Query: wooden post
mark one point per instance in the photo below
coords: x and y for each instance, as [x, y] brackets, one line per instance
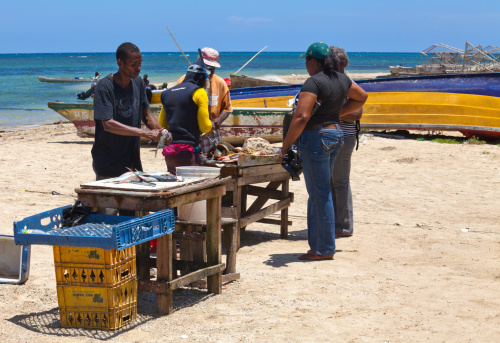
[214, 246]
[231, 246]
[284, 212]
[164, 265]
[142, 255]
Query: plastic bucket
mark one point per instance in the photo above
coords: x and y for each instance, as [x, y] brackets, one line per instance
[196, 210]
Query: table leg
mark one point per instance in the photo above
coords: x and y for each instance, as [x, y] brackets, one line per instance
[284, 212]
[164, 266]
[142, 261]
[214, 245]
[229, 232]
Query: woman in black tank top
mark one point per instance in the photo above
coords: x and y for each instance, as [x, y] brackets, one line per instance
[320, 139]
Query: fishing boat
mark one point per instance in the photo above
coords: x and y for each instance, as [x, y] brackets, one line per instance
[468, 103]
[62, 79]
[242, 124]
[244, 81]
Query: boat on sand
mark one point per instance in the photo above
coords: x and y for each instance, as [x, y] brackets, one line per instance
[62, 79]
[242, 124]
[468, 103]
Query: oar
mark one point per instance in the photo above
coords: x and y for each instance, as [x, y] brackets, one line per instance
[178, 46]
[250, 60]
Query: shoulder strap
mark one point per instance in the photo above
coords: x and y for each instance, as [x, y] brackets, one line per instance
[358, 130]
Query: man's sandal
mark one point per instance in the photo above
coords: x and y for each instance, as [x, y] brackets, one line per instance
[315, 257]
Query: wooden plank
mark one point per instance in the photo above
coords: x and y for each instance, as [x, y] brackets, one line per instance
[264, 212]
[246, 160]
[272, 221]
[192, 236]
[153, 202]
[264, 192]
[231, 185]
[214, 245]
[229, 212]
[164, 273]
[260, 179]
[226, 278]
[229, 171]
[208, 273]
[261, 201]
[262, 170]
[163, 287]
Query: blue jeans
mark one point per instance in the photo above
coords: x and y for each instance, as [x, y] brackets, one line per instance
[318, 150]
[341, 188]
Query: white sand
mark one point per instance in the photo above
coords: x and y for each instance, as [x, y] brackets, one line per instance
[422, 266]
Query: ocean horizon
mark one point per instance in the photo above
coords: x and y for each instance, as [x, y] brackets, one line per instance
[23, 102]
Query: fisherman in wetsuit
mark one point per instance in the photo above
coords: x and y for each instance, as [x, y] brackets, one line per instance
[185, 115]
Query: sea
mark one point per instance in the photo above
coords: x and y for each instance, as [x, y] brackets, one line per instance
[23, 98]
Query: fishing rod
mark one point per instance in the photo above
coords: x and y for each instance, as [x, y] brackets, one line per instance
[250, 60]
[178, 46]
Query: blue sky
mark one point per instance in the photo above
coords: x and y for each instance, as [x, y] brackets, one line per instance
[368, 26]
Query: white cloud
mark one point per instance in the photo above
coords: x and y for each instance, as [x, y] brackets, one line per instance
[248, 21]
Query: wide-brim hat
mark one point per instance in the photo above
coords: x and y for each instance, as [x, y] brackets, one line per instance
[317, 50]
[210, 57]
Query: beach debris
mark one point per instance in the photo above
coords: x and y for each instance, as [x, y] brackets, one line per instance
[465, 229]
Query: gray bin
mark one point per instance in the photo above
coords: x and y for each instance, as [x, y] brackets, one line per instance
[14, 261]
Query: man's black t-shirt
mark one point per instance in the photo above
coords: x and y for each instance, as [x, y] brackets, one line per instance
[331, 91]
[112, 153]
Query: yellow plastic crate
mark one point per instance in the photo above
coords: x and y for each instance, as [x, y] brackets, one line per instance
[102, 319]
[94, 275]
[93, 256]
[90, 298]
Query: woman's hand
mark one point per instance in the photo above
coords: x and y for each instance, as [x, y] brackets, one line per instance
[280, 156]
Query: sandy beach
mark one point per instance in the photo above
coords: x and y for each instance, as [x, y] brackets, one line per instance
[423, 264]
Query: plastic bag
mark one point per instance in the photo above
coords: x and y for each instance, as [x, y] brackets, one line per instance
[74, 215]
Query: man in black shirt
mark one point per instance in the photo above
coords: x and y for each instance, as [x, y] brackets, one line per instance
[120, 105]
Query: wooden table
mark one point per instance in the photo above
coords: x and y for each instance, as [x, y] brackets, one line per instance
[143, 201]
[235, 214]
[244, 180]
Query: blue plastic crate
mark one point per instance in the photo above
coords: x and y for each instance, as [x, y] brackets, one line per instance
[96, 231]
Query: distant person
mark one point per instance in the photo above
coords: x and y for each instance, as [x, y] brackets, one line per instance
[120, 106]
[88, 93]
[320, 141]
[185, 115]
[96, 76]
[340, 183]
[149, 88]
[219, 100]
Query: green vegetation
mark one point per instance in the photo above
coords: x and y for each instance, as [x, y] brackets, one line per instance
[445, 140]
[475, 140]
[486, 152]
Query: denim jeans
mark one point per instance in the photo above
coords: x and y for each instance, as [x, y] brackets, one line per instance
[318, 150]
[341, 188]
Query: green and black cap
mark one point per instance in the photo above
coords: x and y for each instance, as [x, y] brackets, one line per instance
[317, 50]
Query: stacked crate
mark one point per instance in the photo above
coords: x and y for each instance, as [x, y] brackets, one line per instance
[96, 288]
